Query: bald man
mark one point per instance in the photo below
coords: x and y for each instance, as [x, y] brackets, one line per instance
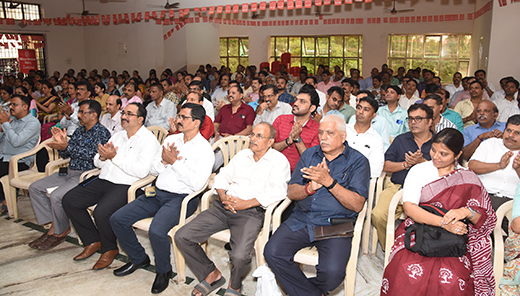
[112, 119]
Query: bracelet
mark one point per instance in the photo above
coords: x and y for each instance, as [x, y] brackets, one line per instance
[442, 223]
[287, 142]
[332, 185]
[473, 212]
[478, 137]
[404, 165]
[307, 189]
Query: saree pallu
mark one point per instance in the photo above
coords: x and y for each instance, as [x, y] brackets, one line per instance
[510, 283]
[409, 273]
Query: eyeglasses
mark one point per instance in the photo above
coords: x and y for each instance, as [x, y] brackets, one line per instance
[417, 119]
[182, 117]
[123, 113]
[259, 136]
[14, 104]
[195, 89]
[84, 112]
[266, 96]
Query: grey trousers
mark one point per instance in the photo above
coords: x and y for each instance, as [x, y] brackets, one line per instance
[48, 208]
[244, 227]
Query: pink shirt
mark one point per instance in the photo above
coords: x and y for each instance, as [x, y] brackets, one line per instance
[125, 101]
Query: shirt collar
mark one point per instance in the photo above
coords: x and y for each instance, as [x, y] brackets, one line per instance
[345, 153]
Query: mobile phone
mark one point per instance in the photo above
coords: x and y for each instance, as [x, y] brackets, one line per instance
[63, 171]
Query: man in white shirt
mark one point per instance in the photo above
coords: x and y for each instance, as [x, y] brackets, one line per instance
[221, 91]
[456, 85]
[182, 166]
[70, 119]
[112, 120]
[488, 87]
[508, 103]
[126, 158]
[159, 110]
[497, 163]
[362, 137]
[410, 95]
[347, 85]
[435, 102]
[500, 94]
[298, 84]
[270, 108]
[323, 97]
[253, 179]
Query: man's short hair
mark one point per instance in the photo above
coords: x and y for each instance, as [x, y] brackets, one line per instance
[309, 89]
[93, 105]
[430, 88]
[169, 81]
[512, 80]
[443, 92]
[336, 89]
[269, 86]
[411, 79]
[25, 99]
[424, 107]
[479, 83]
[341, 125]
[197, 83]
[349, 81]
[272, 131]
[314, 80]
[437, 98]
[87, 85]
[371, 101]
[263, 73]
[480, 71]
[281, 77]
[326, 72]
[396, 88]
[368, 93]
[257, 80]
[197, 112]
[240, 90]
[378, 78]
[514, 120]
[159, 87]
[141, 110]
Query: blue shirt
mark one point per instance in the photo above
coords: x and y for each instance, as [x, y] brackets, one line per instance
[286, 98]
[455, 118]
[83, 146]
[473, 131]
[352, 171]
[396, 120]
[18, 136]
[397, 151]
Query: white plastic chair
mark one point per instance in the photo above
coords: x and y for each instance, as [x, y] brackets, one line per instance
[504, 211]
[390, 226]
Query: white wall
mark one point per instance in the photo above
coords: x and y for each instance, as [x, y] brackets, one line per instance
[481, 38]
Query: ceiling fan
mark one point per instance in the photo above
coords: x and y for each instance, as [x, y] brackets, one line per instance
[167, 5]
[318, 13]
[84, 12]
[13, 5]
[256, 15]
[395, 11]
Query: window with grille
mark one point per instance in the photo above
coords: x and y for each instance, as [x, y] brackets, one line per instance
[444, 54]
[234, 51]
[344, 51]
[20, 10]
[11, 43]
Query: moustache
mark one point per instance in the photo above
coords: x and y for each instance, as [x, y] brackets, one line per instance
[510, 139]
[122, 120]
[324, 143]
[180, 124]
[482, 117]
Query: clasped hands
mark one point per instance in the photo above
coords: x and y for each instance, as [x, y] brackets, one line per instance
[412, 159]
[451, 221]
[233, 204]
[4, 116]
[319, 175]
[107, 151]
[170, 154]
[506, 158]
[295, 132]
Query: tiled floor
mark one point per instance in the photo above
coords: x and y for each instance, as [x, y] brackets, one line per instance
[26, 271]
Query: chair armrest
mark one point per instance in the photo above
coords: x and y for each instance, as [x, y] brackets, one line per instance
[277, 216]
[138, 184]
[187, 199]
[360, 219]
[87, 174]
[52, 166]
[207, 199]
[13, 161]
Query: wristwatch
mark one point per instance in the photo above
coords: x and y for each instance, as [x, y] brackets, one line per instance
[297, 140]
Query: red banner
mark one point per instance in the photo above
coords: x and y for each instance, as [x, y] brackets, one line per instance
[27, 60]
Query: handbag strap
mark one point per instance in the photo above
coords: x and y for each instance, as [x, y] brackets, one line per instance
[419, 234]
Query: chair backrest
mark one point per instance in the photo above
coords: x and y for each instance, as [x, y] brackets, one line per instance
[286, 59]
[263, 65]
[390, 227]
[159, 132]
[505, 210]
[229, 146]
[275, 66]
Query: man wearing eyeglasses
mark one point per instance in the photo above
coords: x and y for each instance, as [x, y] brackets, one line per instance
[406, 150]
[159, 110]
[47, 194]
[182, 166]
[206, 129]
[126, 158]
[270, 108]
[70, 120]
[253, 179]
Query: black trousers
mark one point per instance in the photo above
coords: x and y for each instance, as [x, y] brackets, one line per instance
[4, 170]
[109, 197]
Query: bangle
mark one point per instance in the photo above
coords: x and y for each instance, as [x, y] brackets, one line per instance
[473, 212]
[287, 142]
[332, 185]
[478, 137]
[404, 165]
[307, 189]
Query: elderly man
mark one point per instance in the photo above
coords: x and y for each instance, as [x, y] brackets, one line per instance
[253, 179]
[19, 132]
[70, 120]
[297, 131]
[270, 108]
[486, 128]
[410, 95]
[81, 149]
[126, 158]
[183, 166]
[467, 108]
[407, 150]
[112, 120]
[159, 110]
[497, 163]
[330, 180]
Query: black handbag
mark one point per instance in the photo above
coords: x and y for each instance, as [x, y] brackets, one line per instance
[433, 241]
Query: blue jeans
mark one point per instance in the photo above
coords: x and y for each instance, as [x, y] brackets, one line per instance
[330, 271]
[165, 208]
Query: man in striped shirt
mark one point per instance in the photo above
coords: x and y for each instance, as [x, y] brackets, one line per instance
[439, 122]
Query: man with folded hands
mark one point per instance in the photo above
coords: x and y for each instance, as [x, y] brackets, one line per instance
[182, 166]
[330, 181]
[253, 179]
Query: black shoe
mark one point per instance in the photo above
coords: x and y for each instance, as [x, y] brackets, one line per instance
[161, 282]
[130, 267]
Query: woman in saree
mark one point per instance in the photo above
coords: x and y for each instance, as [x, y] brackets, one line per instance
[441, 183]
[48, 103]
